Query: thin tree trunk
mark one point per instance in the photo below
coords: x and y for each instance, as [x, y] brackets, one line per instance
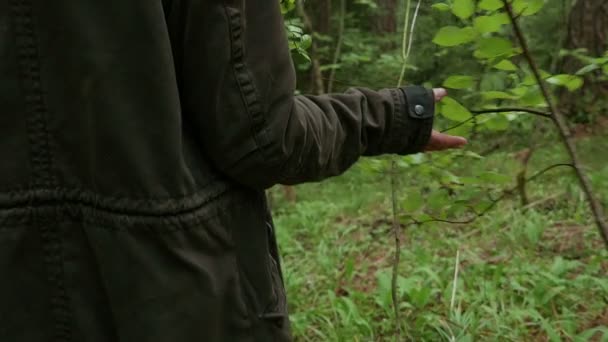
[322, 20]
[587, 29]
[386, 20]
[318, 86]
[339, 43]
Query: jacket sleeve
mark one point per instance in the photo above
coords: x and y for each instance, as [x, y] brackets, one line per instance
[237, 84]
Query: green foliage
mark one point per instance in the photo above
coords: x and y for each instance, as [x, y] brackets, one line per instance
[490, 5]
[454, 36]
[459, 82]
[490, 23]
[571, 82]
[518, 281]
[528, 274]
[505, 65]
[527, 7]
[287, 5]
[463, 9]
[299, 42]
[493, 47]
[453, 110]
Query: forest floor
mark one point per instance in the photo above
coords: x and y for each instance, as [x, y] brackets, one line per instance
[533, 274]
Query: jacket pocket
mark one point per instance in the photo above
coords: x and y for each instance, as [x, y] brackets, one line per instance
[276, 310]
[259, 263]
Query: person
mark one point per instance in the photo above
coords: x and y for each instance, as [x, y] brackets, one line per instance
[138, 138]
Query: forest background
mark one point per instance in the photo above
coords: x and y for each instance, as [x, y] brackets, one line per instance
[502, 241]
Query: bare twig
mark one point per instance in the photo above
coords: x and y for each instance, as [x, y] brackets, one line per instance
[524, 157]
[543, 200]
[512, 110]
[408, 38]
[562, 126]
[397, 236]
[455, 286]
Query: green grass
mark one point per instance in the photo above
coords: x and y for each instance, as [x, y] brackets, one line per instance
[539, 274]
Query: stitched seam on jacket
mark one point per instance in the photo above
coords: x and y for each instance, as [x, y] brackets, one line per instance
[53, 258]
[29, 60]
[395, 141]
[17, 191]
[22, 217]
[249, 93]
[69, 197]
[41, 160]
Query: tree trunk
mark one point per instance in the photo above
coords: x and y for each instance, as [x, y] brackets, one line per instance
[386, 20]
[587, 29]
[322, 20]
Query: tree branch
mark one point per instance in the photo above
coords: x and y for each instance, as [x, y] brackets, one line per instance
[562, 126]
[479, 112]
[495, 201]
[512, 110]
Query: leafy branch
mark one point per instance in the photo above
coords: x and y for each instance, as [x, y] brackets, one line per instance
[562, 126]
[494, 202]
[477, 113]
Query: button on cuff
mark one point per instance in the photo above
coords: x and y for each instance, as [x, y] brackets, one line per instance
[420, 102]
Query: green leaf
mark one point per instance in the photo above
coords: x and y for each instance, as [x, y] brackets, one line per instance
[463, 9]
[423, 217]
[458, 82]
[520, 91]
[441, 7]
[495, 95]
[472, 154]
[490, 5]
[527, 7]
[571, 82]
[453, 110]
[490, 23]
[305, 42]
[506, 65]
[453, 36]
[413, 202]
[533, 97]
[438, 200]
[495, 178]
[587, 69]
[287, 6]
[420, 296]
[492, 47]
[531, 80]
[463, 130]
[498, 122]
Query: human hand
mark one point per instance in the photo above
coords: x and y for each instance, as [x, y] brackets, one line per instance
[440, 141]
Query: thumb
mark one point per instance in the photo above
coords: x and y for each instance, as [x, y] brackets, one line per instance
[439, 93]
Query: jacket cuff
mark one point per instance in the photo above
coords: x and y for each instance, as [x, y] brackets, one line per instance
[412, 121]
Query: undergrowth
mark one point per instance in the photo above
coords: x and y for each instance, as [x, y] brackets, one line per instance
[538, 273]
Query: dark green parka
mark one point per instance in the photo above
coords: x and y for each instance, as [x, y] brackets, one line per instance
[136, 140]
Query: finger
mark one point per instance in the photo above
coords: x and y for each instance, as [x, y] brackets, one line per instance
[440, 93]
[451, 141]
[440, 142]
